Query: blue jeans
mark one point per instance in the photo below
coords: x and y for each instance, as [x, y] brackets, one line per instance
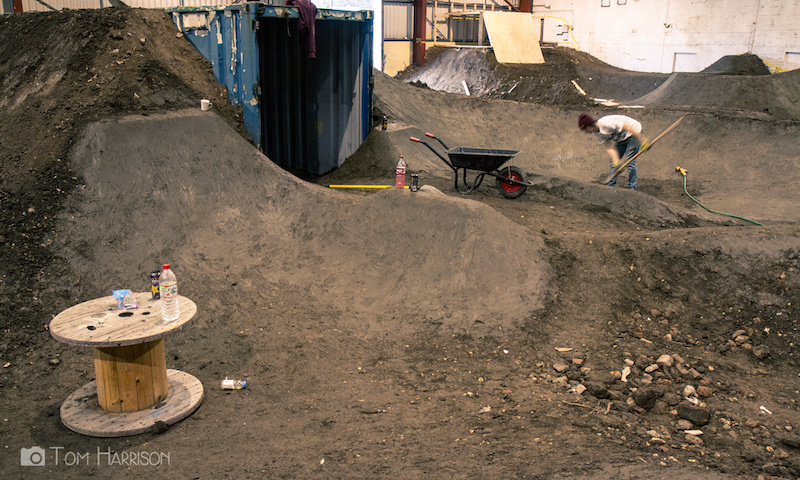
[627, 149]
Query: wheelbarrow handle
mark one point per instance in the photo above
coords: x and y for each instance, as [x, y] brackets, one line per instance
[430, 135]
[449, 164]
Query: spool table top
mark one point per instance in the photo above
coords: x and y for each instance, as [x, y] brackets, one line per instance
[99, 322]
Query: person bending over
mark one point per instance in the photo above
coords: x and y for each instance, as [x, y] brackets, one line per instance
[622, 137]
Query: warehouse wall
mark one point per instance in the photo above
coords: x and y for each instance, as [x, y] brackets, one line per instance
[398, 29]
[641, 35]
[676, 35]
[397, 56]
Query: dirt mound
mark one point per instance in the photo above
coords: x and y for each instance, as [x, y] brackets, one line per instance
[735, 85]
[62, 71]
[746, 64]
[577, 331]
[447, 69]
[297, 221]
[771, 95]
[599, 79]
[453, 68]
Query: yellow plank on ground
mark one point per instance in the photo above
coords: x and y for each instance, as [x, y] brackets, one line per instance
[513, 36]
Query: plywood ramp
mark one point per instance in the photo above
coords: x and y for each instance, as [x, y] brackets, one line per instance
[513, 36]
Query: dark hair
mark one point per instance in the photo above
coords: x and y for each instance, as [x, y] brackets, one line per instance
[585, 121]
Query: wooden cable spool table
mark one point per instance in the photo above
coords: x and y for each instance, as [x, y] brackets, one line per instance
[132, 390]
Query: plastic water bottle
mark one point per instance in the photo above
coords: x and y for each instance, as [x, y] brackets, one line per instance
[168, 289]
[400, 174]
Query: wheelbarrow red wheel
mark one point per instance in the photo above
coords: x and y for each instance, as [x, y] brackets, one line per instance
[510, 189]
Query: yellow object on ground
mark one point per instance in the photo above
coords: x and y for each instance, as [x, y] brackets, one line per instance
[362, 186]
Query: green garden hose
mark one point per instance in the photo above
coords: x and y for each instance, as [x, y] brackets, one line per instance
[683, 172]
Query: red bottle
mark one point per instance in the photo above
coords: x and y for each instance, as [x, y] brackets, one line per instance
[400, 174]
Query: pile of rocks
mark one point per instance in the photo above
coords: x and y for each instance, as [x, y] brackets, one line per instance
[666, 386]
[641, 384]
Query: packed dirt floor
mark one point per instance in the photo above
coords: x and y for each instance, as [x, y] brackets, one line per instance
[578, 331]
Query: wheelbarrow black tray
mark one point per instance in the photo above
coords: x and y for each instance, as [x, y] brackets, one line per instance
[483, 159]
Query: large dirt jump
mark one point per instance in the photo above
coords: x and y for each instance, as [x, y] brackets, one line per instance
[577, 331]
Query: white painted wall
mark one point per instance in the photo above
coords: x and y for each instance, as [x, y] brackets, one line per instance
[677, 35]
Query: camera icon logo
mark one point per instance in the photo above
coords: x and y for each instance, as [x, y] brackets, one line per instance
[32, 457]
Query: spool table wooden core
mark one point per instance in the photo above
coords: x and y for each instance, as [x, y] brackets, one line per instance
[131, 378]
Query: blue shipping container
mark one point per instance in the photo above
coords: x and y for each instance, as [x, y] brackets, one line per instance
[306, 114]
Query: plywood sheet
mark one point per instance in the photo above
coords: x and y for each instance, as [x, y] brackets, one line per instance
[513, 36]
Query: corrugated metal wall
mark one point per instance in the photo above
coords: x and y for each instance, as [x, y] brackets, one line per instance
[307, 115]
[397, 21]
[398, 14]
[466, 29]
[313, 110]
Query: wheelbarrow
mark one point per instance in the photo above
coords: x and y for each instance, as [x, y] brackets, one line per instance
[510, 181]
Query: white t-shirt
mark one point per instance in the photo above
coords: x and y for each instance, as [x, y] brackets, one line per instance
[609, 128]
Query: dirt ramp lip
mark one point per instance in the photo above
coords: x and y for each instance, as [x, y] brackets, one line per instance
[391, 249]
[636, 207]
[769, 94]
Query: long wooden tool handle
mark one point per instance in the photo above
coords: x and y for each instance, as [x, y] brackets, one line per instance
[669, 129]
[619, 169]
